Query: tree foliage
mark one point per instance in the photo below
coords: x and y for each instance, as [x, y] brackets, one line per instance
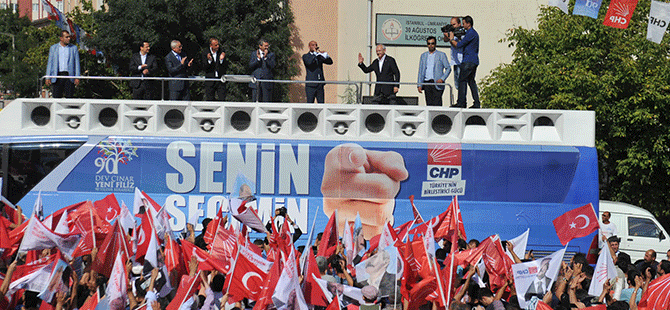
[576, 63]
[238, 24]
[16, 75]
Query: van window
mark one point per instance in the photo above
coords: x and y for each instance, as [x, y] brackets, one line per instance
[642, 227]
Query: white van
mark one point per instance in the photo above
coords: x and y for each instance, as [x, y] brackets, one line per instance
[638, 229]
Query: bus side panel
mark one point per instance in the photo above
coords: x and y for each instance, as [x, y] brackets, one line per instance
[502, 189]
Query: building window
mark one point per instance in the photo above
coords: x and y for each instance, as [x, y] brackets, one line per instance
[3, 6]
[36, 7]
[59, 5]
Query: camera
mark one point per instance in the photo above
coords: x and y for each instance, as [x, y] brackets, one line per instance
[458, 32]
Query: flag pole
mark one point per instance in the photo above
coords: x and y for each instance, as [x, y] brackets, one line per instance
[232, 270]
[123, 237]
[433, 265]
[90, 213]
[197, 275]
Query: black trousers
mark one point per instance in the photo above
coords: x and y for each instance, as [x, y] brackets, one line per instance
[385, 99]
[465, 79]
[263, 93]
[144, 91]
[315, 93]
[182, 94]
[215, 88]
[63, 87]
[433, 95]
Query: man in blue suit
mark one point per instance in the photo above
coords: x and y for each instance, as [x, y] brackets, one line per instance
[63, 61]
[314, 61]
[261, 63]
[433, 68]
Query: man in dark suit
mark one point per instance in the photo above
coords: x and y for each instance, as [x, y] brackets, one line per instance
[386, 70]
[314, 61]
[142, 65]
[215, 64]
[541, 282]
[261, 63]
[177, 67]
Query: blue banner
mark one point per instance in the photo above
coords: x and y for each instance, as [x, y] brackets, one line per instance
[588, 8]
[502, 188]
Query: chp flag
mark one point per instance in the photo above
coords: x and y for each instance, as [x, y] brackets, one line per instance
[576, 223]
[659, 17]
[620, 13]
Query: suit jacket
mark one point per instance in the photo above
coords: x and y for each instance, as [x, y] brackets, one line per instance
[136, 62]
[389, 73]
[176, 69]
[72, 61]
[314, 68]
[532, 291]
[261, 69]
[441, 69]
[216, 65]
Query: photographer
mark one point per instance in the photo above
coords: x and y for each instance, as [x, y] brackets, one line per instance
[456, 52]
[278, 219]
[470, 45]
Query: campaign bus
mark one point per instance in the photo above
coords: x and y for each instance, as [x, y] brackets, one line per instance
[510, 169]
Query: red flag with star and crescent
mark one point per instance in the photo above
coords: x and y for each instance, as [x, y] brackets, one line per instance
[248, 277]
[576, 223]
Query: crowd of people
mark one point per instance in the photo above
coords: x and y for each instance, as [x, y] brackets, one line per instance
[76, 258]
[434, 68]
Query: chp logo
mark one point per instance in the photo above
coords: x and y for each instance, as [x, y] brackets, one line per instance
[444, 161]
[619, 13]
[391, 29]
[112, 152]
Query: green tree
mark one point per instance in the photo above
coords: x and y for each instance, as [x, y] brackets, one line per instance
[576, 63]
[16, 75]
[238, 24]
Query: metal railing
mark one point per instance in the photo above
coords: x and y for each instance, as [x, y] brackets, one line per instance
[247, 79]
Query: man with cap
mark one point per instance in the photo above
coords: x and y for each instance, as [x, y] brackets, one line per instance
[370, 295]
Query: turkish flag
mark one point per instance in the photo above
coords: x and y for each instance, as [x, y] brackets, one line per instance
[330, 237]
[91, 302]
[174, 258]
[143, 235]
[313, 293]
[620, 13]
[108, 208]
[576, 223]
[335, 304]
[187, 287]
[213, 227]
[115, 242]
[205, 260]
[249, 276]
[420, 292]
[268, 288]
